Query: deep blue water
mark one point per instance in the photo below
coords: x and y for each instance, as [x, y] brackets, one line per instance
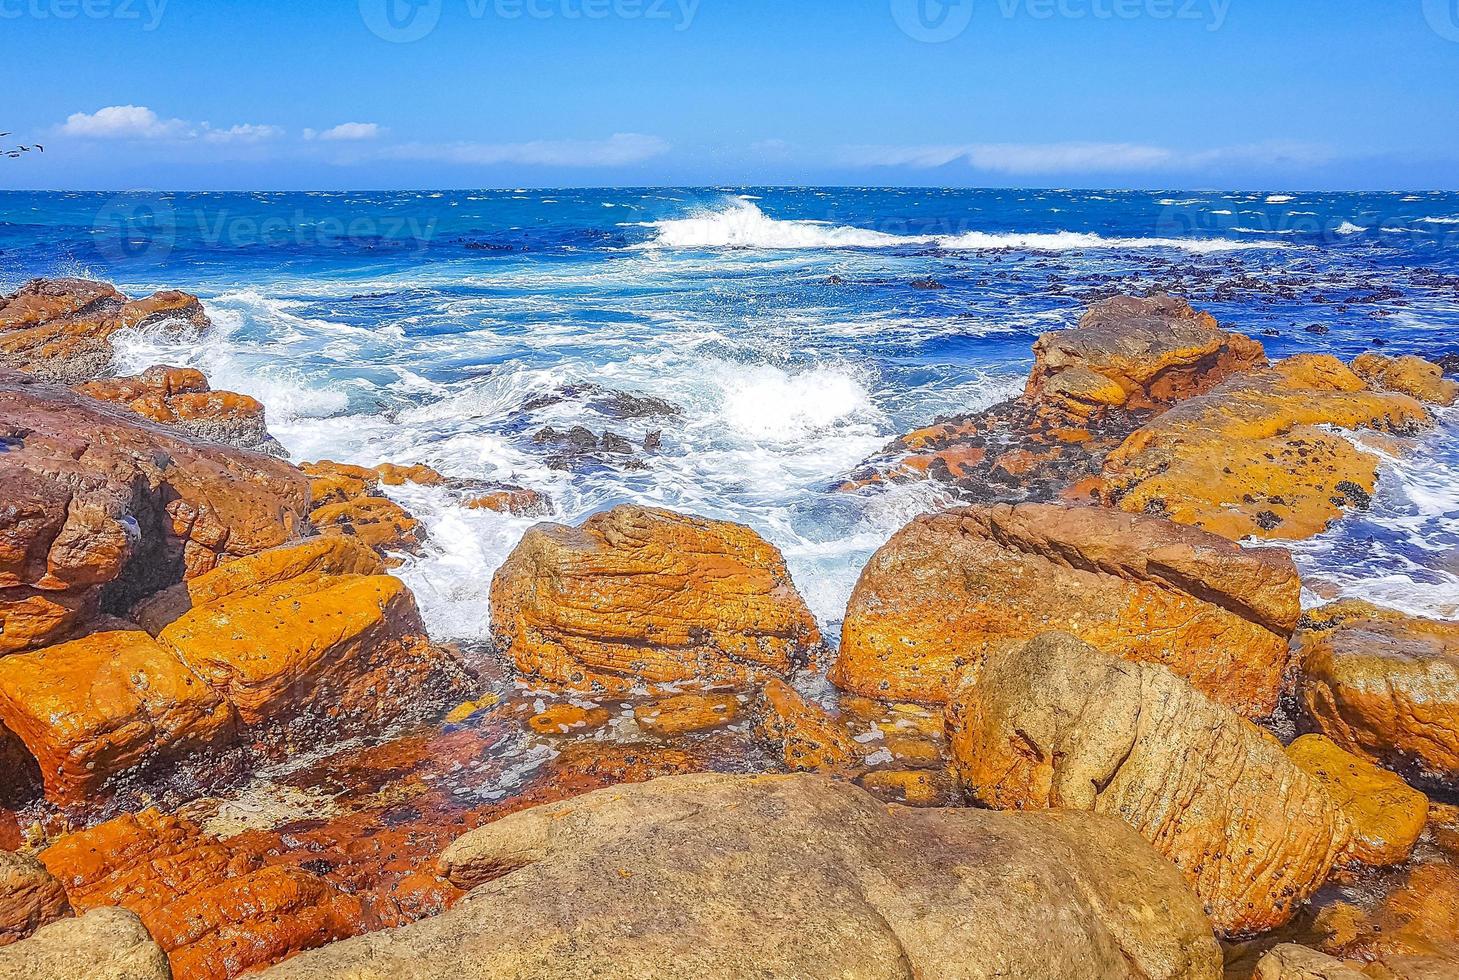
[789, 324]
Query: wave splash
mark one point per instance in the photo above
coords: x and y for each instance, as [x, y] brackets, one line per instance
[741, 224]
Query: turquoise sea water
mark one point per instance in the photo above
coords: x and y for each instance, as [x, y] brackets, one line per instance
[799, 330]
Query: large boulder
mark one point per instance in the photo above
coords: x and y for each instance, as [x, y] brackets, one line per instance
[1126, 361]
[1255, 457]
[1056, 723]
[29, 897]
[182, 398]
[103, 507]
[951, 587]
[639, 594]
[1387, 815]
[1385, 686]
[104, 944]
[790, 876]
[61, 329]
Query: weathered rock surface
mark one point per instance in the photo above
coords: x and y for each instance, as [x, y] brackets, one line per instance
[683, 714]
[103, 507]
[29, 897]
[104, 944]
[640, 594]
[951, 587]
[1385, 686]
[1387, 815]
[1408, 375]
[790, 876]
[1055, 723]
[61, 329]
[1413, 933]
[1091, 386]
[1291, 962]
[1249, 457]
[808, 737]
[182, 398]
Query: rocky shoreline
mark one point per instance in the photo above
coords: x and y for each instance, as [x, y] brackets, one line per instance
[1079, 726]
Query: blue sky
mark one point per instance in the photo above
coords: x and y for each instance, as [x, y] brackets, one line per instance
[226, 94]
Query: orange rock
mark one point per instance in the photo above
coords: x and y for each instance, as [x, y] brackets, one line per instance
[1410, 375]
[1248, 458]
[1385, 686]
[1413, 934]
[60, 329]
[809, 737]
[377, 522]
[642, 594]
[568, 719]
[107, 705]
[393, 476]
[181, 397]
[1057, 724]
[29, 897]
[1386, 813]
[103, 504]
[513, 500]
[951, 587]
[914, 787]
[685, 713]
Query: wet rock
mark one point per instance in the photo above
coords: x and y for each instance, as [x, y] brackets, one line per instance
[104, 508]
[509, 499]
[1251, 457]
[1291, 962]
[1386, 814]
[104, 944]
[608, 401]
[181, 397]
[791, 876]
[1385, 686]
[29, 897]
[303, 652]
[569, 719]
[1409, 375]
[808, 737]
[376, 522]
[1412, 934]
[108, 705]
[61, 329]
[638, 594]
[393, 475]
[927, 283]
[951, 587]
[579, 448]
[913, 787]
[683, 714]
[1056, 723]
[1091, 386]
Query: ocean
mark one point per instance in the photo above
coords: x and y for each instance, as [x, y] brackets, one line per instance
[796, 330]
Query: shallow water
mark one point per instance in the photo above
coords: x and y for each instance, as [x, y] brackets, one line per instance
[791, 327]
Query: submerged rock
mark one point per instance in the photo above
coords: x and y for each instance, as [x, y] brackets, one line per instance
[181, 397]
[731, 876]
[1056, 723]
[638, 594]
[1253, 456]
[1385, 686]
[951, 587]
[104, 944]
[104, 507]
[61, 329]
[808, 737]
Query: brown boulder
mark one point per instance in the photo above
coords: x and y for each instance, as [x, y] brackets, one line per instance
[181, 397]
[104, 944]
[640, 594]
[104, 508]
[790, 876]
[1409, 375]
[1385, 686]
[29, 897]
[108, 705]
[1249, 457]
[1058, 724]
[1291, 962]
[61, 329]
[1387, 815]
[950, 587]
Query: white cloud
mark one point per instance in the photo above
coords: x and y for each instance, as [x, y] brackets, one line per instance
[1075, 158]
[617, 150]
[244, 133]
[349, 131]
[126, 122]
